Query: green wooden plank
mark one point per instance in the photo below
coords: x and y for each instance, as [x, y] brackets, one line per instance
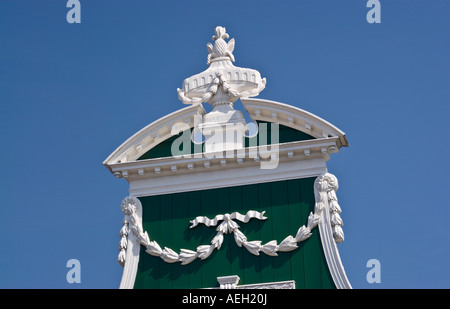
[252, 263]
[266, 232]
[236, 253]
[313, 275]
[149, 266]
[280, 215]
[312, 246]
[209, 268]
[327, 280]
[224, 254]
[180, 221]
[166, 230]
[196, 238]
[296, 220]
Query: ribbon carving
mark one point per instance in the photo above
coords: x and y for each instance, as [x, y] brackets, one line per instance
[227, 218]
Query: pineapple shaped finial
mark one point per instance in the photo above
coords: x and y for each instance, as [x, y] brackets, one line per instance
[220, 48]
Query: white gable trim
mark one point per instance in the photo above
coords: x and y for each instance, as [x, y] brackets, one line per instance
[293, 117]
[153, 134]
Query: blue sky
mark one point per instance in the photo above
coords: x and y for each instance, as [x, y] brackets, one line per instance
[71, 93]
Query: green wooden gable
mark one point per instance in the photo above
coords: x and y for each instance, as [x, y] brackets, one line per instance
[287, 205]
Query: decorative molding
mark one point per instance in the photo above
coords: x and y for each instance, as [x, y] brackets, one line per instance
[282, 285]
[231, 283]
[228, 282]
[198, 176]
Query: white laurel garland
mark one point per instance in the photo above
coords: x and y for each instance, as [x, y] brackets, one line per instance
[325, 188]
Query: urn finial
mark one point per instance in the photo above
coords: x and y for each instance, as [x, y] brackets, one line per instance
[222, 83]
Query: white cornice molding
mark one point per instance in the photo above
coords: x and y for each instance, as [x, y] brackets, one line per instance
[293, 117]
[217, 178]
[199, 172]
[226, 160]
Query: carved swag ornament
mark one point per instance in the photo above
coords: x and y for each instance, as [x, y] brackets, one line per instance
[325, 188]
